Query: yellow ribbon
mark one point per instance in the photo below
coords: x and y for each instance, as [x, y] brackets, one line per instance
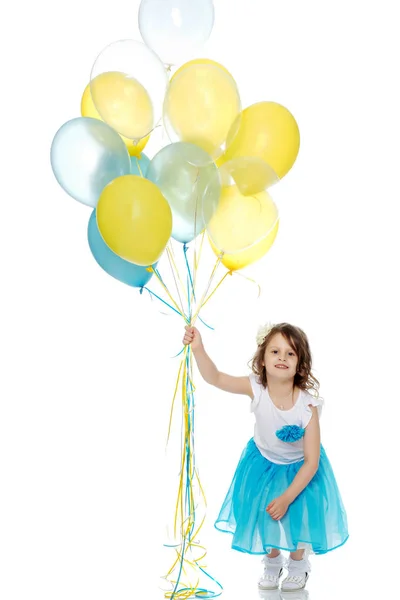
[248, 279]
[138, 166]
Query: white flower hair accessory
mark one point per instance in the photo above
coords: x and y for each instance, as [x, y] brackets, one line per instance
[262, 333]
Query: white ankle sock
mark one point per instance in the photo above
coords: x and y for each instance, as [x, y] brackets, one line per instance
[276, 558]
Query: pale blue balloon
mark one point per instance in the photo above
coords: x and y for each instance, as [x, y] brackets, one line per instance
[111, 263]
[189, 180]
[176, 30]
[86, 155]
[140, 165]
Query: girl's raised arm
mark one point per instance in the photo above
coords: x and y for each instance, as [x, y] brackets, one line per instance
[208, 370]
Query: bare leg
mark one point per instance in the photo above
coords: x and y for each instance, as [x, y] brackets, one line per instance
[274, 553]
[298, 555]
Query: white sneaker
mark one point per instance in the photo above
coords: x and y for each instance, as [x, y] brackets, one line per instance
[273, 568]
[270, 594]
[299, 571]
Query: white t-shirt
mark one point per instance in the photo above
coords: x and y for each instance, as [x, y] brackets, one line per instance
[270, 419]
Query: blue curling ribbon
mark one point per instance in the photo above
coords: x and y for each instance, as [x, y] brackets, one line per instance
[204, 323]
[161, 300]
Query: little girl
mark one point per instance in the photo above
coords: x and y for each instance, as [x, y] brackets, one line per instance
[283, 495]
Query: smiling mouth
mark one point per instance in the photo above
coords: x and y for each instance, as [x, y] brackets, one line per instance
[281, 367]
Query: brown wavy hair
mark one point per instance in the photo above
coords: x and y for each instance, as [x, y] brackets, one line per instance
[304, 379]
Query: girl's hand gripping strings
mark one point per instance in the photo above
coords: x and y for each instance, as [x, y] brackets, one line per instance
[192, 336]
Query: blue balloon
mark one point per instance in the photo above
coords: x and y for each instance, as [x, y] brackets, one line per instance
[140, 165]
[114, 265]
[86, 155]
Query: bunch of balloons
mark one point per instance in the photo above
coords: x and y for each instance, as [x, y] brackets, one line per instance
[215, 174]
[212, 180]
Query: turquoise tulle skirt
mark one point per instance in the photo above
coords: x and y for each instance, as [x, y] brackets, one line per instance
[316, 520]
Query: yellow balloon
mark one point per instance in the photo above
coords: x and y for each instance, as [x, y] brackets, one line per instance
[201, 104]
[239, 222]
[88, 109]
[134, 219]
[200, 61]
[123, 103]
[242, 259]
[266, 130]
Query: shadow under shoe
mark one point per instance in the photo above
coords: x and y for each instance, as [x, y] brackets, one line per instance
[270, 594]
[295, 595]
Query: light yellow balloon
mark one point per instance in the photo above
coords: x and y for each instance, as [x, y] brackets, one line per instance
[201, 104]
[250, 174]
[239, 222]
[266, 130]
[123, 103]
[88, 109]
[134, 219]
[242, 259]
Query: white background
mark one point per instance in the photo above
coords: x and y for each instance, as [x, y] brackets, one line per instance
[87, 378]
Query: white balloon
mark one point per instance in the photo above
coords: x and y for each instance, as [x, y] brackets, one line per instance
[175, 29]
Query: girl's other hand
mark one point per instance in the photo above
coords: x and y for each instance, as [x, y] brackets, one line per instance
[277, 508]
[192, 336]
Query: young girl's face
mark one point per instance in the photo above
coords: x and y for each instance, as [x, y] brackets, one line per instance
[280, 359]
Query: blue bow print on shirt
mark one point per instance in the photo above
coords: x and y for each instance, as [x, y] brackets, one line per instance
[290, 433]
